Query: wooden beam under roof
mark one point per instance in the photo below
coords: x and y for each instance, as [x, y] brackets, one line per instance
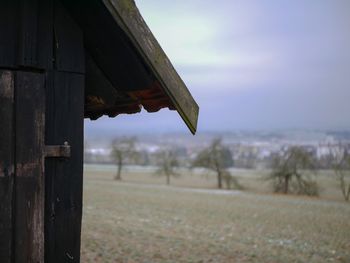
[130, 20]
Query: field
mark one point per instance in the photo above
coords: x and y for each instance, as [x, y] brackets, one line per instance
[141, 220]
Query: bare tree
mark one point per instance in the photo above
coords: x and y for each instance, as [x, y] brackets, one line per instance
[167, 164]
[340, 162]
[217, 158]
[288, 172]
[123, 149]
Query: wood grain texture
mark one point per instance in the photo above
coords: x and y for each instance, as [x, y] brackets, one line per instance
[45, 34]
[64, 177]
[69, 45]
[102, 98]
[65, 86]
[29, 182]
[26, 34]
[29, 49]
[6, 164]
[8, 28]
[108, 46]
[129, 19]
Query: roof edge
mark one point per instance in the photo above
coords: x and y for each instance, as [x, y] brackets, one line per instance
[128, 17]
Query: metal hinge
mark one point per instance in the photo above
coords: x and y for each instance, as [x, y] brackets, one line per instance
[57, 151]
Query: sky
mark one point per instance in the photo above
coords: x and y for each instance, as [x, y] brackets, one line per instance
[251, 64]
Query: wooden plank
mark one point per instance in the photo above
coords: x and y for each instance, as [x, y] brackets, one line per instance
[109, 47]
[122, 45]
[28, 33]
[69, 45]
[26, 28]
[45, 34]
[8, 28]
[101, 97]
[64, 178]
[129, 19]
[98, 85]
[6, 164]
[29, 186]
[57, 151]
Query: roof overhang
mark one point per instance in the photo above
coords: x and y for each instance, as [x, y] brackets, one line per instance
[126, 68]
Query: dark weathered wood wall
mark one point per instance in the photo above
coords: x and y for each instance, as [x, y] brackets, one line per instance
[64, 122]
[7, 170]
[42, 74]
[29, 185]
[22, 186]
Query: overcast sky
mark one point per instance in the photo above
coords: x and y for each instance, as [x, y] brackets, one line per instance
[252, 64]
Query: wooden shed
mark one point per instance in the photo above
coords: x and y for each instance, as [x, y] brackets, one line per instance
[61, 61]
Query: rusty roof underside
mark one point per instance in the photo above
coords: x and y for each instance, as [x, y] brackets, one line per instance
[126, 69]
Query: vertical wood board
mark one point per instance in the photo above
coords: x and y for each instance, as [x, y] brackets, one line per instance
[64, 177]
[69, 45]
[35, 34]
[29, 187]
[6, 164]
[26, 30]
[8, 33]
[109, 47]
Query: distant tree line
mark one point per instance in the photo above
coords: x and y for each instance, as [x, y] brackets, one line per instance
[293, 170]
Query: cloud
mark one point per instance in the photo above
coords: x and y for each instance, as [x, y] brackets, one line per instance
[254, 64]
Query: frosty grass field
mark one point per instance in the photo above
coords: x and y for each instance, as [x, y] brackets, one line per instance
[141, 220]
